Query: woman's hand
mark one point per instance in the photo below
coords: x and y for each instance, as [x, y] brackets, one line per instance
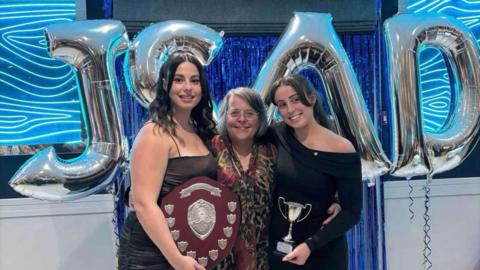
[299, 255]
[187, 263]
[333, 211]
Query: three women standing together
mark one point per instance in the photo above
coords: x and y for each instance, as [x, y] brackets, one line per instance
[313, 165]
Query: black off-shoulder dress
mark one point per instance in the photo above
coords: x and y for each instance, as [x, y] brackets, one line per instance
[313, 177]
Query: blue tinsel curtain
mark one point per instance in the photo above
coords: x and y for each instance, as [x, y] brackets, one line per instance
[238, 65]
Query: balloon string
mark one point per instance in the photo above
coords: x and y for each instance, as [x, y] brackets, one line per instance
[410, 196]
[427, 251]
[115, 219]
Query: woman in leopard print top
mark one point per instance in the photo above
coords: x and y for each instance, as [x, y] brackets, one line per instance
[245, 164]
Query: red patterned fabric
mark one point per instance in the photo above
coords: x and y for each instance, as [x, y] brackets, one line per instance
[254, 187]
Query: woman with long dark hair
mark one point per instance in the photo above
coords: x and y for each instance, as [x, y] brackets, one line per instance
[177, 137]
[314, 164]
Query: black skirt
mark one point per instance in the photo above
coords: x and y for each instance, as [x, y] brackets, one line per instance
[137, 251]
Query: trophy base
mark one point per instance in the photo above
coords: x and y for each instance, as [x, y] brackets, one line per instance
[283, 248]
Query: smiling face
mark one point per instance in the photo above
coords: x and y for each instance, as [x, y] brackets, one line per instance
[242, 121]
[186, 91]
[293, 111]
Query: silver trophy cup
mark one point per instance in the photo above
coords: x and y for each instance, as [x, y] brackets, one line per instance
[292, 214]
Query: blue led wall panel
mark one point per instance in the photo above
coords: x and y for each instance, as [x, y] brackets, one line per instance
[435, 79]
[39, 101]
[435, 90]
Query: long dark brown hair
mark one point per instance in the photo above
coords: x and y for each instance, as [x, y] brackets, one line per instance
[161, 108]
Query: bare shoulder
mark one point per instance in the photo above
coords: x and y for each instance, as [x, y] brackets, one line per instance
[150, 131]
[341, 144]
[344, 146]
[151, 136]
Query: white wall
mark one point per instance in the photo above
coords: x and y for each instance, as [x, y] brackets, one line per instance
[455, 224]
[79, 234]
[57, 236]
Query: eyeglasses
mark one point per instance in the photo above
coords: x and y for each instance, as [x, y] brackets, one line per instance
[248, 114]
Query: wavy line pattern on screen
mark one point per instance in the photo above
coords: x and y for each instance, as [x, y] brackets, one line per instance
[39, 101]
[435, 80]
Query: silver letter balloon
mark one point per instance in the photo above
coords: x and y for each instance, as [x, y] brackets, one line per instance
[90, 47]
[151, 48]
[311, 42]
[308, 42]
[415, 151]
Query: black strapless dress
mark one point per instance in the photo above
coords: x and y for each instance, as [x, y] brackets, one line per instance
[136, 250]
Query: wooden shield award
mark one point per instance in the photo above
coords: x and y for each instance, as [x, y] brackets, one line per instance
[204, 218]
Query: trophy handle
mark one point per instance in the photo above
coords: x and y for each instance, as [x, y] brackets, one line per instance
[309, 206]
[281, 201]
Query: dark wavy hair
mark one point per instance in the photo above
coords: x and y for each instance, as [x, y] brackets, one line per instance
[304, 88]
[161, 108]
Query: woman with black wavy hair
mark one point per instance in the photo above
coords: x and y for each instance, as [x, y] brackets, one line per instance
[177, 137]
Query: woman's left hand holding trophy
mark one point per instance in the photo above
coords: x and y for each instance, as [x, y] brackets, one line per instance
[299, 254]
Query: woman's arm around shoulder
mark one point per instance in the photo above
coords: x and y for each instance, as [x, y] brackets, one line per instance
[218, 144]
[149, 161]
